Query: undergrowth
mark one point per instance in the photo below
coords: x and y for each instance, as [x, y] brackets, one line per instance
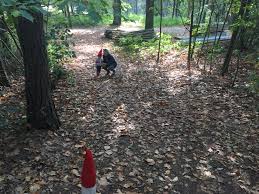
[135, 45]
[59, 51]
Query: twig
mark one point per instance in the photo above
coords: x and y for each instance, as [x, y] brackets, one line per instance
[12, 35]
[15, 57]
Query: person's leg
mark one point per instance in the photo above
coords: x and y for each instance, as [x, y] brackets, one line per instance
[105, 67]
[112, 68]
[98, 69]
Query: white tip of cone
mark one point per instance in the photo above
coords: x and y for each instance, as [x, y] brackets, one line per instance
[88, 190]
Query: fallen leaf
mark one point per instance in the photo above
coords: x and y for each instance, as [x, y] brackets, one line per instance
[75, 172]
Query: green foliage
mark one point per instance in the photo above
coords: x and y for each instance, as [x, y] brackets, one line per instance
[254, 77]
[59, 50]
[135, 45]
[168, 21]
[254, 85]
[16, 8]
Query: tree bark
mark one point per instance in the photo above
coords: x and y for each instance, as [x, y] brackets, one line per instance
[41, 112]
[160, 31]
[149, 24]
[174, 9]
[116, 12]
[69, 17]
[190, 38]
[3, 76]
[136, 7]
[233, 39]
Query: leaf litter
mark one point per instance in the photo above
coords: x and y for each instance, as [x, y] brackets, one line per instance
[152, 128]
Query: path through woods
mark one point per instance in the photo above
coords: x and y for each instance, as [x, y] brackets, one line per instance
[151, 131]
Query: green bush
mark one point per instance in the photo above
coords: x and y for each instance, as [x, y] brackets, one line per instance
[168, 21]
[136, 45]
[59, 50]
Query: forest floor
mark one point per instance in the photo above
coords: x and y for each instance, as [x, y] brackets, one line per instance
[152, 129]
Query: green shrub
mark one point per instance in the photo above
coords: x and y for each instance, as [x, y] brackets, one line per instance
[135, 45]
[59, 50]
[168, 21]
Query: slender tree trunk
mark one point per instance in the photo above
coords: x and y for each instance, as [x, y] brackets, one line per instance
[190, 39]
[72, 9]
[41, 112]
[160, 30]
[12, 35]
[198, 26]
[205, 13]
[189, 8]
[116, 12]
[136, 7]
[149, 24]
[4, 40]
[69, 17]
[3, 76]
[225, 20]
[233, 40]
[174, 9]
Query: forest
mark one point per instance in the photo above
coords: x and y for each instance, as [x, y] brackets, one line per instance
[164, 94]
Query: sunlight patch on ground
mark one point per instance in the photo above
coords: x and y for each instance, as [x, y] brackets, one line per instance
[83, 31]
[131, 26]
[180, 79]
[122, 124]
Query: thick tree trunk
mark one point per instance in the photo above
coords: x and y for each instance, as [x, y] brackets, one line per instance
[149, 14]
[41, 112]
[117, 12]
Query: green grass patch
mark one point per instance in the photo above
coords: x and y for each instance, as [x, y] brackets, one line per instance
[136, 46]
[167, 21]
[78, 20]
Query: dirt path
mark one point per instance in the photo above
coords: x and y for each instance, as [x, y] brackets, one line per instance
[151, 131]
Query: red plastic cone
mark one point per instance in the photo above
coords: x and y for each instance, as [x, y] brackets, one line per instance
[88, 176]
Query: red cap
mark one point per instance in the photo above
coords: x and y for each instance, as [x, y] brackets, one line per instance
[88, 176]
[100, 54]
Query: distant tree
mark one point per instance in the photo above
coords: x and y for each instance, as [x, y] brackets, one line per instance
[149, 24]
[116, 12]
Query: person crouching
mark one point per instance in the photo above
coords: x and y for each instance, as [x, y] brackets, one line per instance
[109, 63]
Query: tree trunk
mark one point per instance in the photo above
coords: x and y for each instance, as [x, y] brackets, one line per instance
[190, 38]
[117, 12]
[136, 7]
[3, 37]
[41, 112]
[72, 9]
[149, 24]
[160, 30]
[69, 17]
[233, 39]
[174, 8]
[189, 8]
[3, 76]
